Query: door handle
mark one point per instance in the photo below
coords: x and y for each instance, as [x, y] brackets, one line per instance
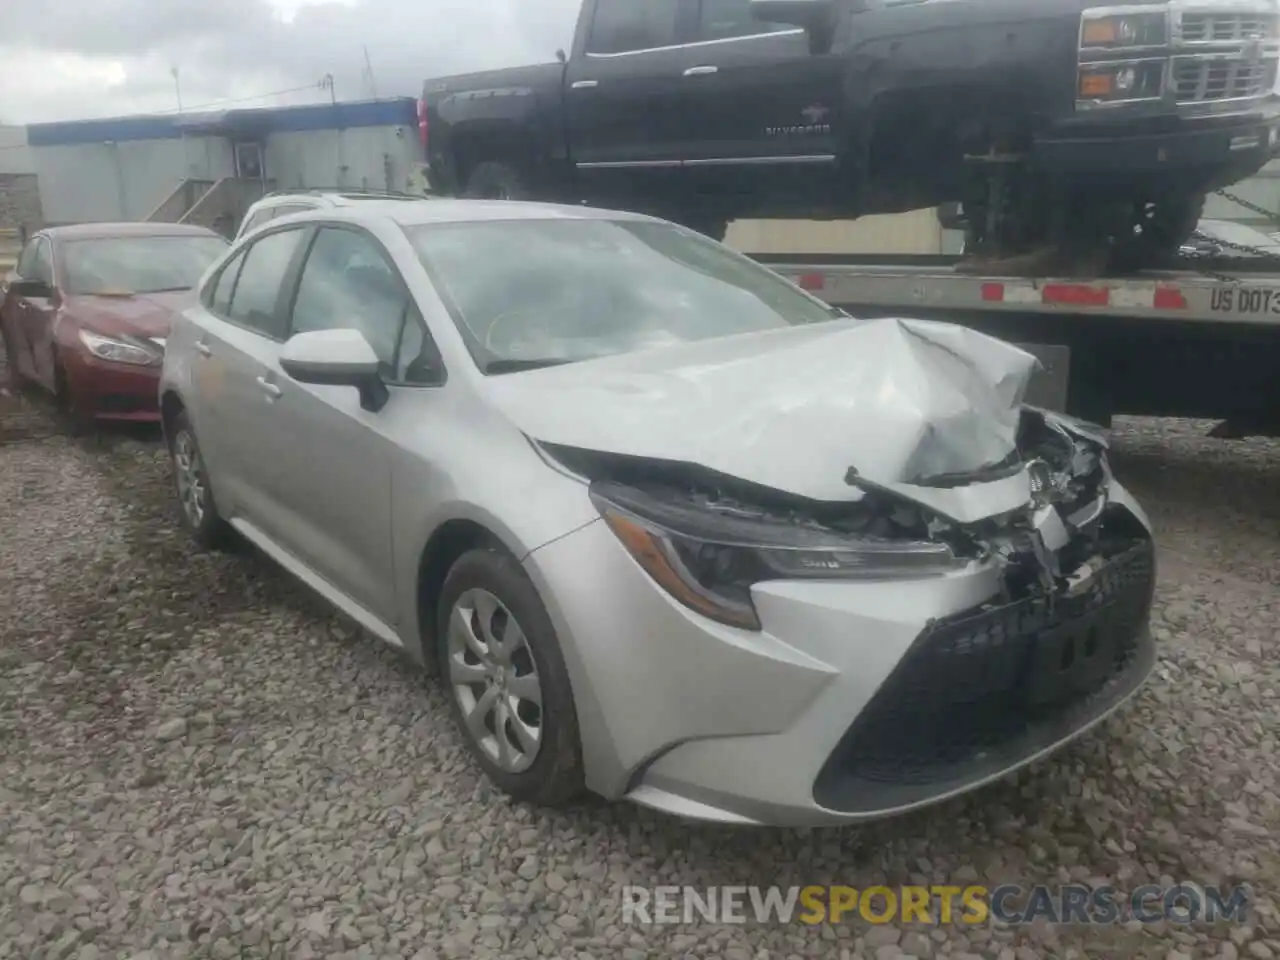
[269, 388]
[584, 84]
[203, 349]
[701, 71]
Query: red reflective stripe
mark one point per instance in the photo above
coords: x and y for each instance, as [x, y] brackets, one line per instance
[1076, 294]
[811, 281]
[1169, 298]
[993, 292]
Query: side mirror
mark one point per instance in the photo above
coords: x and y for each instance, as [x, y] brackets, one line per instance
[336, 358]
[814, 16]
[36, 289]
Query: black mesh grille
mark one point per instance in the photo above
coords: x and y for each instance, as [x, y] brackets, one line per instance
[979, 682]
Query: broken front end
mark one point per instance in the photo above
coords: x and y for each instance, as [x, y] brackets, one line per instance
[1060, 641]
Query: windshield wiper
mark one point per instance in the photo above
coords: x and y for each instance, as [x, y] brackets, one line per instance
[508, 365]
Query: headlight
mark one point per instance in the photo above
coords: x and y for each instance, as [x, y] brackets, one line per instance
[1121, 81]
[1100, 30]
[709, 560]
[123, 349]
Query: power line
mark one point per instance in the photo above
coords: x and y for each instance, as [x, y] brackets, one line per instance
[227, 100]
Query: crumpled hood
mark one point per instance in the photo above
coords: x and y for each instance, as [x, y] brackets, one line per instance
[139, 315]
[898, 401]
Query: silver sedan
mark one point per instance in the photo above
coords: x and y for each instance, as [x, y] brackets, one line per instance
[668, 528]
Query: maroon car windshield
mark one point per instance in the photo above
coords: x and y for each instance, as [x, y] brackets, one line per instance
[127, 265]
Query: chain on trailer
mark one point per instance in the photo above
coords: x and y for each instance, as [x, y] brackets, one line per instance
[1264, 254]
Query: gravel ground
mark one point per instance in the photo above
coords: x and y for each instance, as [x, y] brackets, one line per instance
[198, 759]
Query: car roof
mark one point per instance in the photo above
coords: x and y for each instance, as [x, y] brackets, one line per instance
[442, 210]
[106, 231]
[336, 197]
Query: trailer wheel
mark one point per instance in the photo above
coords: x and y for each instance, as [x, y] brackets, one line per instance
[492, 180]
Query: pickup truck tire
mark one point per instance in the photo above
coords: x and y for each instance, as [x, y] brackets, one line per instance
[1165, 226]
[492, 180]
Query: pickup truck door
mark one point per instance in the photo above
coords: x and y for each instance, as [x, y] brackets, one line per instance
[761, 104]
[623, 95]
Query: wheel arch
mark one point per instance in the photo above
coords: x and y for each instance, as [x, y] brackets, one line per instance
[448, 542]
[171, 404]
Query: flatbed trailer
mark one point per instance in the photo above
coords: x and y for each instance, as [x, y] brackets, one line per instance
[1201, 341]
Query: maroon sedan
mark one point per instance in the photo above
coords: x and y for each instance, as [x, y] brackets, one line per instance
[86, 312]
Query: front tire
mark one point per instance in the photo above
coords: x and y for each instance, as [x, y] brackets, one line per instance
[75, 423]
[195, 497]
[508, 687]
[1161, 230]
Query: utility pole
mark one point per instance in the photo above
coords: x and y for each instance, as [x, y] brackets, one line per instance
[368, 69]
[186, 149]
[326, 83]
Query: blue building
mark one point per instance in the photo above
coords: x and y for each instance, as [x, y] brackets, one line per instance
[206, 166]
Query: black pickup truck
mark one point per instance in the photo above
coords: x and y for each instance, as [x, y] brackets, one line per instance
[1044, 119]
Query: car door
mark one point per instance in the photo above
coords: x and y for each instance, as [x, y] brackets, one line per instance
[762, 104]
[14, 314]
[623, 94]
[333, 486]
[237, 350]
[36, 316]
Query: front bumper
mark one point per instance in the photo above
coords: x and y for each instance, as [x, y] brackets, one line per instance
[101, 390]
[857, 701]
[1234, 146]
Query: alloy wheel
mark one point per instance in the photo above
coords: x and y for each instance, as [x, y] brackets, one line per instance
[193, 492]
[495, 680]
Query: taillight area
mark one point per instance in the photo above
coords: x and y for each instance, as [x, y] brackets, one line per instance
[422, 123]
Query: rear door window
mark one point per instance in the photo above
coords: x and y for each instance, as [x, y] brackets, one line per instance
[255, 302]
[41, 262]
[624, 26]
[726, 19]
[218, 294]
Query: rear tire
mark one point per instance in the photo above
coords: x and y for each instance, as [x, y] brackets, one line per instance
[196, 506]
[514, 695]
[12, 376]
[496, 181]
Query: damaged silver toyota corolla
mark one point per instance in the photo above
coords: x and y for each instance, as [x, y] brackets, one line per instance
[668, 527]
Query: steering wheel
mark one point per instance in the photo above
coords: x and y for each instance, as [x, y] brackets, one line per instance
[505, 318]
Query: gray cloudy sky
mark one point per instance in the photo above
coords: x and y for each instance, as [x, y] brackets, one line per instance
[73, 59]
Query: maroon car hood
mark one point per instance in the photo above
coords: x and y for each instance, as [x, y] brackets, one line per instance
[142, 314]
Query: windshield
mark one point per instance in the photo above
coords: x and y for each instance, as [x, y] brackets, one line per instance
[124, 265]
[527, 293]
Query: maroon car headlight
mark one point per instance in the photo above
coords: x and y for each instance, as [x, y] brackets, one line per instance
[122, 349]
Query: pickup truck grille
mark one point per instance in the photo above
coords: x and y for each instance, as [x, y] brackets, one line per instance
[1203, 56]
[1224, 55]
[1225, 27]
[1199, 79]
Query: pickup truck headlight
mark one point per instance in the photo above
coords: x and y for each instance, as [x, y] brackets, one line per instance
[1122, 80]
[1102, 30]
[709, 560]
[123, 349]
